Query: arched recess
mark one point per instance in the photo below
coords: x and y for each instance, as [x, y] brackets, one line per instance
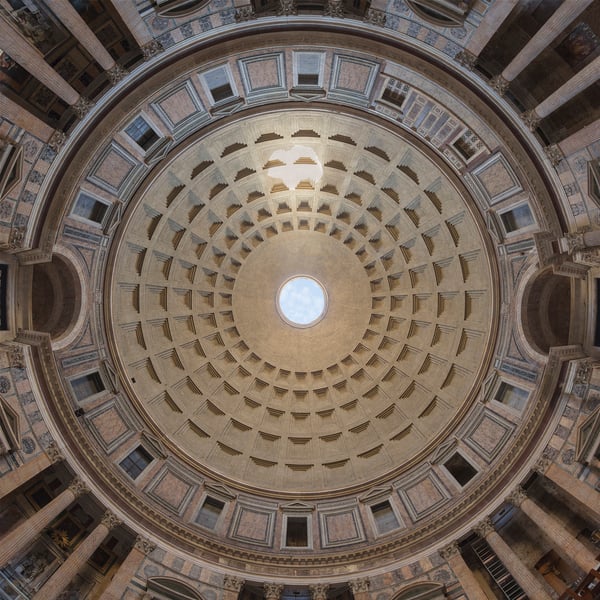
[169, 588]
[58, 298]
[422, 591]
[546, 310]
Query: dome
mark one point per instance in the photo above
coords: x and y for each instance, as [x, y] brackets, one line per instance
[299, 300]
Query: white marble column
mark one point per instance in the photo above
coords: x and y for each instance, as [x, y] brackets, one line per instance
[71, 19]
[569, 547]
[22, 535]
[522, 575]
[562, 17]
[12, 111]
[80, 555]
[451, 554]
[579, 82]
[31, 59]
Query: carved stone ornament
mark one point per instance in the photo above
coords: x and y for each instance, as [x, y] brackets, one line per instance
[116, 73]
[541, 466]
[232, 583]
[57, 139]
[334, 8]
[78, 487]
[499, 84]
[16, 238]
[359, 585]
[375, 17]
[245, 13]
[575, 241]
[110, 520]
[54, 453]
[16, 358]
[467, 59]
[584, 372]
[531, 119]
[35, 26]
[484, 528]
[273, 591]
[449, 551]
[517, 496]
[152, 49]
[287, 8]
[144, 545]
[319, 591]
[554, 154]
[82, 106]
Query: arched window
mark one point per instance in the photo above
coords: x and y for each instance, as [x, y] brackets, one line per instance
[422, 591]
[168, 588]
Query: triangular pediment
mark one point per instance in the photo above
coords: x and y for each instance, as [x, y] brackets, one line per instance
[229, 108]
[376, 493]
[443, 450]
[588, 437]
[307, 95]
[297, 507]
[220, 490]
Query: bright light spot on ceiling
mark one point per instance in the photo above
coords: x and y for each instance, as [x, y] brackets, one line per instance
[300, 163]
[301, 301]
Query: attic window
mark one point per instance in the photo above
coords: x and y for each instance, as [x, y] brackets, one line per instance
[385, 518]
[512, 396]
[594, 180]
[87, 385]
[219, 84]
[308, 68]
[296, 532]
[142, 133]
[210, 512]
[91, 209]
[135, 462]
[460, 468]
[516, 218]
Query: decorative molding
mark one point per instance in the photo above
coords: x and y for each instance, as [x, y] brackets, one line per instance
[499, 84]
[318, 591]
[245, 13]
[57, 139]
[531, 119]
[359, 585]
[110, 520]
[116, 73]
[287, 8]
[16, 357]
[484, 528]
[554, 154]
[273, 591]
[144, 545]
[78, 487]
[82, 106]
[375, 17]
[151, 49]
[517, 496]
[54, 453]
[232, 583]
[334, 8]
[449, 551]
[466, 58]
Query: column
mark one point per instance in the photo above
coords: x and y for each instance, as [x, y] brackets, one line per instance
[569, 546]
[232, 586]
[31, 59]
[318, 591]
[491, 22]
[579, 82]
[565, 14]
[71, 19]
[451, 554]
[360, 588]
[80, 555]
[578, 490]
[273, 591]
[530, 585]
[138, 29]
[126, 572]
[22, 535]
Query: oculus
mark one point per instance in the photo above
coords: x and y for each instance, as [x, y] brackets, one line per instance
[302, 301]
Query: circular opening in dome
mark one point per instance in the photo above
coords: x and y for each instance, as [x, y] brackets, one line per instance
[301, 301]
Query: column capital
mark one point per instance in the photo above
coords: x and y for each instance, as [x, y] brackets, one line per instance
[499, 84]
[449, 551]
[359, 585]
[57, 139]
[16, 237]
[541, 466]
[144, 545]
[318, 591]
[78, 487]
[517, 496]
[334, 8]
[16, 357]
[82, 106]
[54, 453]
[116, 73]
[233, 583]
[110, 520]
[273, 590]
[531, 119]
[151, 49]
[244, 13]
[484, 528]
[287, 8]
[375, 17]
[554, 154]
[466, 58]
